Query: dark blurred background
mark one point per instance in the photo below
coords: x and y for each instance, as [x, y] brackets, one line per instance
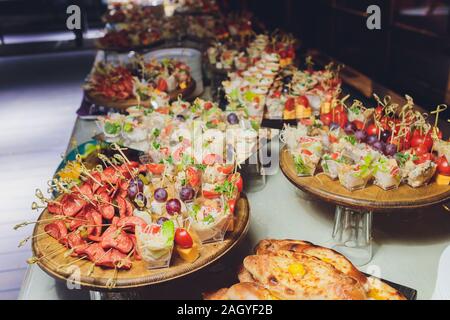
[410, 54]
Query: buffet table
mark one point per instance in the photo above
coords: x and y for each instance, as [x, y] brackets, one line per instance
[408, 247]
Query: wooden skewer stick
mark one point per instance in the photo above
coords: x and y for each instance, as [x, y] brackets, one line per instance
[35, 259]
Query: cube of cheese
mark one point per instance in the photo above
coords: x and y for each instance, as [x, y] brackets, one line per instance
[442, 180]
[189, 254]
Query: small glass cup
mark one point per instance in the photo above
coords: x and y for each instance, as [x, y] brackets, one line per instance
[161, 262]
[351, 181]
[386, 181]
[331, 168]
[214, 233]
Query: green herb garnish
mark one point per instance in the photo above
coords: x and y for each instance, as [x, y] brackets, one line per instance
[300, 166]
[128, 127]
[351, 139]
[112, 127]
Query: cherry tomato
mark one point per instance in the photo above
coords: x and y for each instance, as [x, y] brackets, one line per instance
[326, 118]
[155, 168]
[338, 109]
[421, 150]
[424, 157]
[231, 204]
[372, 129]
[207, 105]
[276, 94]
[289, 104]
[238, 182]
[443, 166]
[302, 100]
[332, 138]
[379, 110]
[417, 140]
[210, 194]
[227, 169]
[193, 176]
[183, 238]
[428, 141]
[341, 119]
[162, 85]
[307, 152]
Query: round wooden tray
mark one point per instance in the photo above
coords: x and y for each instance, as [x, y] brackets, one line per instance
[371, 198]
[138, 275]
[125, 104]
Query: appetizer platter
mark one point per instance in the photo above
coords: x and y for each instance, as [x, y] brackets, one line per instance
[247, 90]
[188, 7]
[300, 270]
[118, 223]
[129, 37]
[128, 12]
[184, 132]
[240, 53]
[339, 155]
[138, 82]
[296, 94]
[130, 26]
[367, 160]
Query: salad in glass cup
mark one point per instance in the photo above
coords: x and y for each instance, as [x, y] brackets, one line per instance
[386, 173]
[331, 163]
[155, 244]
[356, 176]
[209, 219]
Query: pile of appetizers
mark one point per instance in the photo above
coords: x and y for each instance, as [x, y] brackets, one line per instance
[120, 12]
[206, 27]
[130, 36]
[246, 91]
[238, 54]
[139, 79]
[296, 94]
[182, 132]
[122, 211]
[388, 144]
[228, 56]
[132, 26]
[196, 6]
[300, 270]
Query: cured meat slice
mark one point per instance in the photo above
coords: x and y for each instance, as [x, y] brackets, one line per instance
[130, 208]
[54, 207]
[71, 205]
[136, 254]
[121, 203]
[117, 239]
[86, 190]
[95, 183]
[114, 258]
[57, 230]
[129, 223]
[94, 252]
[76, 242]
[107, 211]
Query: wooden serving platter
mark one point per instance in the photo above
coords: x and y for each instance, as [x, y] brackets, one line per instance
[138, 275]
[370, 198]
[125, 104]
